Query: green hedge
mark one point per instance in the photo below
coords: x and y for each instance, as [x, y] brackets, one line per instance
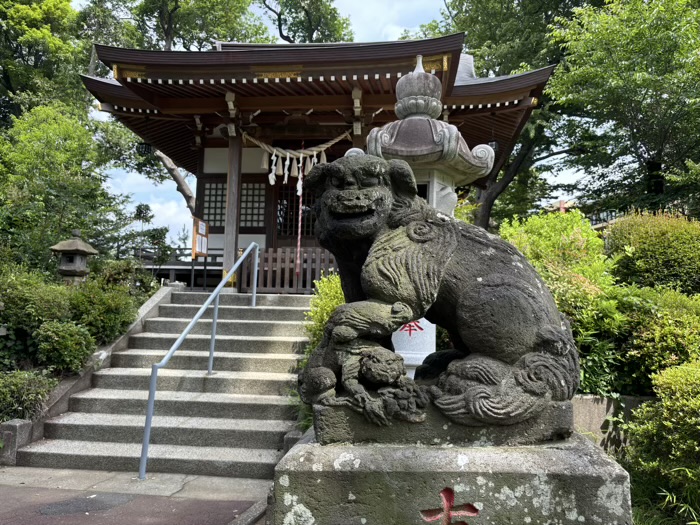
[129, 273]
[30, 301]
[657, 249]
[63, 347]
[624, 333]
[328, 295]
[106, 311]
[23, 394]
[663, 451]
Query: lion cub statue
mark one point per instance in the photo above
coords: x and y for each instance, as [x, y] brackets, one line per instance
[400, 260]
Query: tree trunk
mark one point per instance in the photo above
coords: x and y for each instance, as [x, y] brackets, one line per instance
[182, 185]
[495, 186]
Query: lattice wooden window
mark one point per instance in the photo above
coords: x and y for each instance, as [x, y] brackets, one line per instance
[214, 210]
[288, 212]
[253, 205]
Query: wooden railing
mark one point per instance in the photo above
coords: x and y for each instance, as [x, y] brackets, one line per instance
[278, 274]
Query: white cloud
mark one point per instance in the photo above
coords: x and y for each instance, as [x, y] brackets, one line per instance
[386, 19]
[166, 203]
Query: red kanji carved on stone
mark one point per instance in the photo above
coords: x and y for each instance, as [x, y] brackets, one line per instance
[413, 326]
[448, 511]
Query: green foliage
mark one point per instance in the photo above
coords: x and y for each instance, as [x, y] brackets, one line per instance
[328, 295]
[624, 333]
[197, 24]
[23, 394]
[50, 183]
[102, 307]
[63, 347]
[564, 239]
[37, 46]
[633, 69]
[28, 301]
[129, 273]
[308, 21]
[657, 250]
[106, 311]
[664, 444]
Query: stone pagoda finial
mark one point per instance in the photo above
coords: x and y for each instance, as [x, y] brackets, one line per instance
[418, 94]
[429, 145]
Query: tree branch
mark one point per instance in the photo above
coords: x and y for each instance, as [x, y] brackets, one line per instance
[182, 185]
[575, 149]
[280, 28]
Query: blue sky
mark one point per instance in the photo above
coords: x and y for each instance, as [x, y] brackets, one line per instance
[384, 20]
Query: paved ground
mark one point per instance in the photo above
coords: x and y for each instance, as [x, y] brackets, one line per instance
[37, 496]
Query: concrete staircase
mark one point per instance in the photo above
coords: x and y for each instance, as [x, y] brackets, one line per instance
[229, 424]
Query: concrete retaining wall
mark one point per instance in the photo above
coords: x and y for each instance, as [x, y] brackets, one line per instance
[593, 417]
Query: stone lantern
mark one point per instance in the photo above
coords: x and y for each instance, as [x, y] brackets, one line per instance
[435, 149]
[73, 254]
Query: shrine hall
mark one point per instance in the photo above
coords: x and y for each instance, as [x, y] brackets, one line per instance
[248, 120]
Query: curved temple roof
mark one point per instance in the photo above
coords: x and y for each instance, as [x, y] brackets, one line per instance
[175, 100]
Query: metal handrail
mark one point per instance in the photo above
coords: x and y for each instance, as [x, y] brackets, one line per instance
[214, 297]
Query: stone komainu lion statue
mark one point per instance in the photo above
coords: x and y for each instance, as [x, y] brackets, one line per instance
[400, 260]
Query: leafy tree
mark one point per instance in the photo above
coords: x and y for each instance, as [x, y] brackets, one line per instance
[51, 181]
[106, 22]
[196, 24]
[37, 47]
[508, 37]
[634, 67]
[308, 21]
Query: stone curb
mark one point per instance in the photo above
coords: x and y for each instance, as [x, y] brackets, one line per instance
[251, 516]
[18, 433]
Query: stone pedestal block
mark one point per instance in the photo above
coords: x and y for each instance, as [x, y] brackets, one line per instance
[560, 483]
[343, 425]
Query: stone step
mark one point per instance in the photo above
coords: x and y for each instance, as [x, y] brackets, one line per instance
[224, 343]
[259, 313]
[204, 461]
[199, 359]
[171, 403]
[236, 299]
[164, 325]
[169, 430]
[264, 383]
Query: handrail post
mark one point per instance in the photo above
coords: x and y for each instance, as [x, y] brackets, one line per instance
[149, 422]
[254, 284]
[212, 342]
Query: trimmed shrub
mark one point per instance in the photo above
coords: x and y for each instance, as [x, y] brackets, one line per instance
[662, 330]
[663, 451]
[624, 333]
[565, 239]
[27, 302]
[105, 312]
[130, 273]
[64, 347]
[657, 249]
[23, 394]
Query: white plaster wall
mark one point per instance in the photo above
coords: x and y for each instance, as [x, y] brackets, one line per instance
[216, 240]
[216, 160]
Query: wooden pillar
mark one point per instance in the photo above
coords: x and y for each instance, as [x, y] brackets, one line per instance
[233, 194]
